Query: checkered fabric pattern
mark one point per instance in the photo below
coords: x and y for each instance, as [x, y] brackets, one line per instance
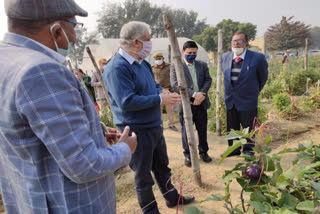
[53, 155]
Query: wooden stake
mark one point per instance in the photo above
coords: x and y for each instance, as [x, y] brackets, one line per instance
[218, 89]
[306, 54]
[185, 97]
[80, 79]
[169, 53]
[99, 75]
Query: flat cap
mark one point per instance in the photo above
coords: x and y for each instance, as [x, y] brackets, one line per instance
[42, 9]
[158, 54]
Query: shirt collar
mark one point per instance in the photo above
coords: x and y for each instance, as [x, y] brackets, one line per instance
[128, 57]
[188, 63]
[242, 55]
[22, 41]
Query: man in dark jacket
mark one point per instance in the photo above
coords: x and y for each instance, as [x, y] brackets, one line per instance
[245, 74]
[198, 82]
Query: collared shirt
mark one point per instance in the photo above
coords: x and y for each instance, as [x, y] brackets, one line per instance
[241, 56]
[53, 155]
[236, 67]
[128, 57]
[193, 73]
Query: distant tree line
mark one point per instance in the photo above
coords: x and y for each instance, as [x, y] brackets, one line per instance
[114, 15]
[287, 34]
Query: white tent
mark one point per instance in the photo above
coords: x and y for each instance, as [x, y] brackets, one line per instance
[108, 47]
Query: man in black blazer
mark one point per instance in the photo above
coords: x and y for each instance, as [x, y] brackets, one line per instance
[245, 74]
[198, 82]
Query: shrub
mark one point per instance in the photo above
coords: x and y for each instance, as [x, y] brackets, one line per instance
[275, 190]
[281, 101]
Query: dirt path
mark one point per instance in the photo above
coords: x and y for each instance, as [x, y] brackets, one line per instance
[287, 134]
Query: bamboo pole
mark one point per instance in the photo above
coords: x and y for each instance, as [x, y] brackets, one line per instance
[218, 89]
[99, 75]
[306, 54]
[185, 97]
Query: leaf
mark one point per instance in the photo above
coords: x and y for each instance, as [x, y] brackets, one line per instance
[308, 145]
[283, 211]
[317, 152]
[215, 197]
[229, 177]
[303, 156]
[237, 210]
[267, 140]
[289, 173]
[230, 149]
[266, 149]
[193, 210]
[303, 169]
[287, 200]
[250, 211]
[268, 164]
[283, 182]
[246, 130]
[262, 207]
[232, 136]
[258, 196]
[306, 206]
[316, 188]
[276, 174]
[288, 150]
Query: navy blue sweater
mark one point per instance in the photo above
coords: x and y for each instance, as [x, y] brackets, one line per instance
[133, 92]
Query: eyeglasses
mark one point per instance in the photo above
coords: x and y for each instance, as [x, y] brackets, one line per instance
[240, 41]
[77, 25]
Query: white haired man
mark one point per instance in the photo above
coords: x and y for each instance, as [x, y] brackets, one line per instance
[135, 99]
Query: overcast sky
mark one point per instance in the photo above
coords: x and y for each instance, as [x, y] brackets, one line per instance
[261, 13]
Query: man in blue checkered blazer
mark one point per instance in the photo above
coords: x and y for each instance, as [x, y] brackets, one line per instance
[53, 154]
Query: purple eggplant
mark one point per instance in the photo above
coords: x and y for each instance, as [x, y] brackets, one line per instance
[253, 171]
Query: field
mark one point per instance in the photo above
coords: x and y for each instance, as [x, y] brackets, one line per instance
[292, 118]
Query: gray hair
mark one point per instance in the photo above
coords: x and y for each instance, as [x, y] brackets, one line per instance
[133, 30]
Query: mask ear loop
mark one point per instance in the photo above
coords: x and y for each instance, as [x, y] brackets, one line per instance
[51, 28]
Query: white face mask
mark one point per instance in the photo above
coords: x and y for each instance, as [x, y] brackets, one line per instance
[159, 62]
[237, 51]
[146, 49]
[63, 52]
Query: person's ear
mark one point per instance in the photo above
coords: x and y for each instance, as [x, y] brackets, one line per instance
[56, 31]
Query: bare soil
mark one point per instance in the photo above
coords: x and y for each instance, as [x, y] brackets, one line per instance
[285, 134]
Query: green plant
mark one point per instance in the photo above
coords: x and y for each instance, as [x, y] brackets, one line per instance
[281, 101]
[310, 103]
[276, 190]
[285, 106]
[106, 117]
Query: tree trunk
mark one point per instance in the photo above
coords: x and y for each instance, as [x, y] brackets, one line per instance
[218, 91]
[306, 54]
[99, 75]
[176, 53]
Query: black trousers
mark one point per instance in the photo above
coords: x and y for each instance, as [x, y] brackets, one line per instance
[151, 155]
[236, 118]
[200, 119]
